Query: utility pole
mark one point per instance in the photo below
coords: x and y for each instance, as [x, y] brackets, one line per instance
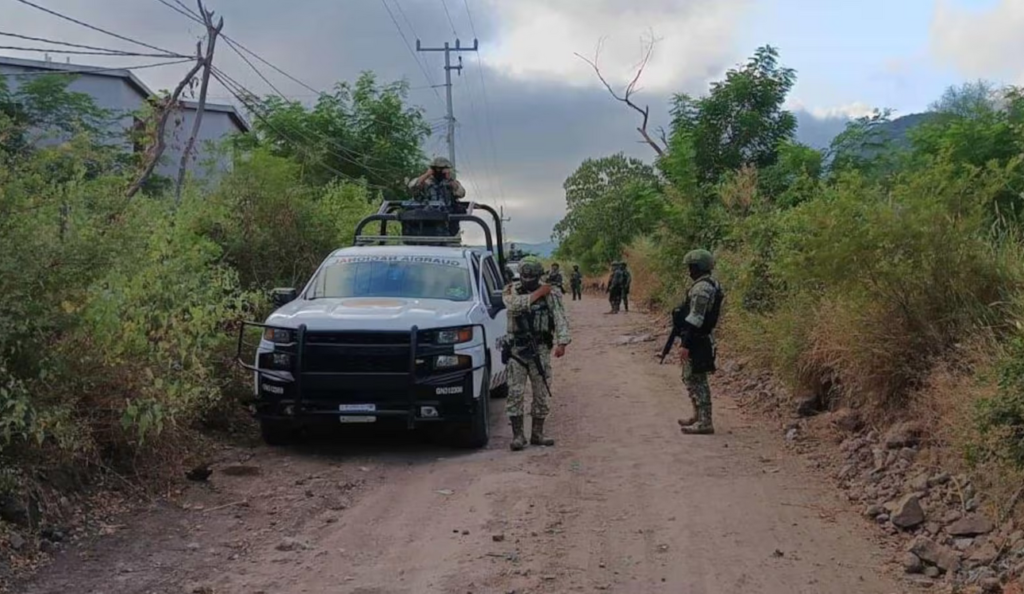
[447, 49]
[503, 219]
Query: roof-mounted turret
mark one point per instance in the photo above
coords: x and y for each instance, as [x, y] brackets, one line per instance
[434, 219]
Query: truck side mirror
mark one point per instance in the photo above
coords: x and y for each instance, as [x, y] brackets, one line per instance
[281, 297]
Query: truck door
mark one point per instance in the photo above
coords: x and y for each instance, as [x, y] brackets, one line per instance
[497, 320]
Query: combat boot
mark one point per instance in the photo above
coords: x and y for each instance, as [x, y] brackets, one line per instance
[690, 420]
[703, 426]
[518, 436]
[537, 437]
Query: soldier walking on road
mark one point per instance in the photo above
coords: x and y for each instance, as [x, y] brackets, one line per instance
[536, 324]
[615, 287]
[576, 283]
[627, 279]
[693, 322]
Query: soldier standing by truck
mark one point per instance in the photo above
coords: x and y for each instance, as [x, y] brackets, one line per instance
[537, 325]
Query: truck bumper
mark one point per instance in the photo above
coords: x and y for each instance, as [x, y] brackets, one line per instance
[337, 379]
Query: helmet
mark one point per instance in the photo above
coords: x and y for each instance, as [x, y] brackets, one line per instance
[623, 263]
[702, 259]
[575, 266]
[531, 268]
[440, 163]
[555, 265]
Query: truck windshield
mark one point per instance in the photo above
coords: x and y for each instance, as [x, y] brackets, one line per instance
[407, 277]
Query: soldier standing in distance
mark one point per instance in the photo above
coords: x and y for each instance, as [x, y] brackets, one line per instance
[536, 319]
[698, 317]
[576, 283]
[555, 277]
[627, 280]
[614, 290]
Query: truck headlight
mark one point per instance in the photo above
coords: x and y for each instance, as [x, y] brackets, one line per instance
[449, 362]
[276, 360]
[278, 335]
[454, 335]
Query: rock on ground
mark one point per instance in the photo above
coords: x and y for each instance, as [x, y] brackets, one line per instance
[908, 512]
[972, 525]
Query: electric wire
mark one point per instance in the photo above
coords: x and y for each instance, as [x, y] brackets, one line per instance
[98, 29]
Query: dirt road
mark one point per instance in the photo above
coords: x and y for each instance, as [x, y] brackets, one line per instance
[624, 503]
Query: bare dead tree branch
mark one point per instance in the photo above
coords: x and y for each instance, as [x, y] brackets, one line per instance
[211, 41]
[164, 110]
[627, 95]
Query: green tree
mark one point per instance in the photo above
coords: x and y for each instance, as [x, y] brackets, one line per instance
[609, 202]
[359, 131]
[740, 122]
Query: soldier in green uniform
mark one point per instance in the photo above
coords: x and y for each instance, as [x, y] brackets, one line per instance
[627, 279]
[537, 325]
[576, 283]
[615, 282]
[693, 322]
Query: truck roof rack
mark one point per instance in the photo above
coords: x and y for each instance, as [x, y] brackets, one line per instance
[442, 219]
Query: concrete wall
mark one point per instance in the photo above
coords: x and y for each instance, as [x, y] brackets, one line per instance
[216, 126]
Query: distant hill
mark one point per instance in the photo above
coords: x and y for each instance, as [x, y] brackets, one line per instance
[544, 250]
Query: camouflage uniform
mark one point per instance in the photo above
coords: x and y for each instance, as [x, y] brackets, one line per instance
[702, 308]
[549, 327]
[576, 283]
[555, 278]
[615, 287]
[424, 182]
[627, 280]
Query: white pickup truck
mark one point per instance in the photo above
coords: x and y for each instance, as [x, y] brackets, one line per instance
[407, 333]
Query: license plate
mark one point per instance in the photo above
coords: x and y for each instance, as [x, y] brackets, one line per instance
[360, 419]
[357, 408]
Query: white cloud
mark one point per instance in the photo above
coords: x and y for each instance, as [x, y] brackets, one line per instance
[848, 111]
[983, 43]
[539, 38]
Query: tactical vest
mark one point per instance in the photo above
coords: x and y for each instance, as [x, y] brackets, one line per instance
[710, 318]
[540, 322]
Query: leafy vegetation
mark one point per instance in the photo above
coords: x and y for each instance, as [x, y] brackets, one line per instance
[118, 316]
[854, 273]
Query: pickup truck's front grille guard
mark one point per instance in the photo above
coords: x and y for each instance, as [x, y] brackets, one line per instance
[300, 344]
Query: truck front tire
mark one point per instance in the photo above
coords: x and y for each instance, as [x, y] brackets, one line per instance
[476, 433]
[277, 433]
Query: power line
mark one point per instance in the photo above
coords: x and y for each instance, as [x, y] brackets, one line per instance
[487, 107]
[228, 84]
[449, 15]
[237, 88]
[408, 45]
[116, 53]
[184, 10]
[93, 70]
[67, 44]
[188, 13]
[95, 28]
[234, 48]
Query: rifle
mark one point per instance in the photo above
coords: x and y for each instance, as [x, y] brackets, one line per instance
[677, 332]
[534, 352]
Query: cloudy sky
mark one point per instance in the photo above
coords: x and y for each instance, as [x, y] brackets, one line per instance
[528, 109]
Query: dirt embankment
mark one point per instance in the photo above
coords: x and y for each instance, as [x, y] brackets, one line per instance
[623, 503]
